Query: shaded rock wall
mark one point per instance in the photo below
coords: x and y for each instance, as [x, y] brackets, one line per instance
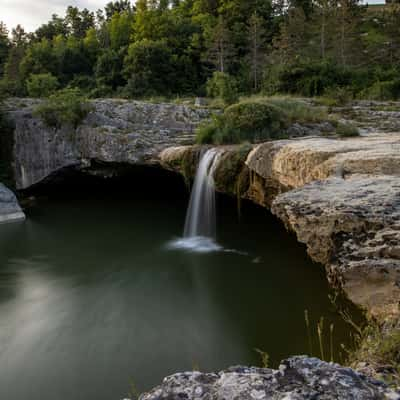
[115, 131]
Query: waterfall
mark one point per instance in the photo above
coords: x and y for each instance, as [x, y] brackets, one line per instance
[200, 224]
[200, 217]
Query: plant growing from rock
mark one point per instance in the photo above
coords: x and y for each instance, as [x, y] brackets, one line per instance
[258, 119]
[66, 107]
[347, 130]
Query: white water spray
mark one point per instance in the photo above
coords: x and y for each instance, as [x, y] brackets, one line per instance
[200, 225]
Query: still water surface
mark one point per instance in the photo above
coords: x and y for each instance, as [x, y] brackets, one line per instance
[92, 299]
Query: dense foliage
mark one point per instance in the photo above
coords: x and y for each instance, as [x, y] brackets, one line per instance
[173, 47]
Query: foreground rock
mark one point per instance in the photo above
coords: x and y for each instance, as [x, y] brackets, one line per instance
[116, 131]
[298, 378]
[10, 211]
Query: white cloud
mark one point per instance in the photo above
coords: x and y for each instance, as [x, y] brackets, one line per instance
[32, 13]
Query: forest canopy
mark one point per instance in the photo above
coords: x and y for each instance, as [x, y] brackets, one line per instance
[184, 47]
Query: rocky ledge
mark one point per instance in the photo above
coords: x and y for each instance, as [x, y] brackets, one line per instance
[10, 211]
[340, 196]
[115, 131]
[298, 378]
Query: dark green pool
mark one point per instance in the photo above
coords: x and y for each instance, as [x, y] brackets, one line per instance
[91, 300]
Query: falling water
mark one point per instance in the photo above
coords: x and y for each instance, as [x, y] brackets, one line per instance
[200, 225]
[200, 217]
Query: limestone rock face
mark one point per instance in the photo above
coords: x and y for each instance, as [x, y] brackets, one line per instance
[294, 163]
[116, 131]
[353, 227]
[298, 378]
[10, 211]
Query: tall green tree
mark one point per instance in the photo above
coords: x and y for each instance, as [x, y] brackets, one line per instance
[120, 29]
[221, 50]
[4, 46]
[118, 7]
[149, 68]
[257, 46]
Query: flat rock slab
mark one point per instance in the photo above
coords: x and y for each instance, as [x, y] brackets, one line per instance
[294, 163]
[10, 211]
[298, 378]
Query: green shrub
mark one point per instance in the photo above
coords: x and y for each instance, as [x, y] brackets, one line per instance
[347, 130]
[338, 96]
[65, 107]
[257, 119]
[12, 88]
[251, 121]
[379, 346]
[299, 111]
[386, 90]
[309, 79]
[41, 85]
[223, 86]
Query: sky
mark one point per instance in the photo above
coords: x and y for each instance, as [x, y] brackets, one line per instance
[32, 13]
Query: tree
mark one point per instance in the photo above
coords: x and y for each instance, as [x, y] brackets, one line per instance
[392, 33]
[55, 27]
[91, 44]
[120, 29]
[291, 44]
[346, 43]
[78, 22]
[257, 48]
[42, 85]
[118, 7]
[4, 46]
[18, 36]
[39, 58]
[149, 69]
[324, 23]
[108, 70]
[221, 51]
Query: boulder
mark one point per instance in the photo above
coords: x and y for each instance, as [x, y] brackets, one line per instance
[10, 211]
[298, 378]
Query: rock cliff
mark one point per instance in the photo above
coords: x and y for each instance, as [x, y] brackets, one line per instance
[115, 131]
